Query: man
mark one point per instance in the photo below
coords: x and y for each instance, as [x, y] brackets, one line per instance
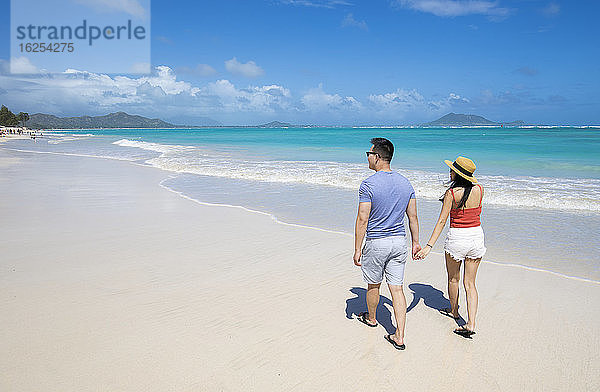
[384, 198]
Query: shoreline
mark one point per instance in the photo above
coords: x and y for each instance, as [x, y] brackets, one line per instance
[582, 210]
[524, 191]
[281, 222]
[438, 249]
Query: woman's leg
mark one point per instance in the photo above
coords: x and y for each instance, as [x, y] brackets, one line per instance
[471, 266]
[453, 269]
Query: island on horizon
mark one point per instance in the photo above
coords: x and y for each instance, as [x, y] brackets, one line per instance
[468, 120]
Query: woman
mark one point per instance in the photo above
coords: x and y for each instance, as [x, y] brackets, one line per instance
[464, 242]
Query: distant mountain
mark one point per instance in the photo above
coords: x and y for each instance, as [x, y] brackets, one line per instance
[112, 120]
[466, 120]
[201, 122]
[517, 123]
[275, 124]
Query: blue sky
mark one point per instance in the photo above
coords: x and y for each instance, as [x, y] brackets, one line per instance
[342, 62]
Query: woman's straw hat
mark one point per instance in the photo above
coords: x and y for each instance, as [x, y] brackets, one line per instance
[464, 167]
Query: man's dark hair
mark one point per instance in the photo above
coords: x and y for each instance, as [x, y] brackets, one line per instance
[383, 147]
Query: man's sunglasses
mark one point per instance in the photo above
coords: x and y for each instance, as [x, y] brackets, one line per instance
[370, 152]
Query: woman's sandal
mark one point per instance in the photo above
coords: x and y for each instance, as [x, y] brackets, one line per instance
[394, 343]
[464, 332]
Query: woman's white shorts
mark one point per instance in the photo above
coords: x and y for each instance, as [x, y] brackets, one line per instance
[462, 242]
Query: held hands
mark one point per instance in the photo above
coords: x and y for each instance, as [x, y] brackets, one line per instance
[423, 253]
[415, 250]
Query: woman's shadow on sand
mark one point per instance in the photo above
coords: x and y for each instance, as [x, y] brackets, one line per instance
[432, 298]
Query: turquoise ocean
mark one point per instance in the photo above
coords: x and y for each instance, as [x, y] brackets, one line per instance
[542, 204]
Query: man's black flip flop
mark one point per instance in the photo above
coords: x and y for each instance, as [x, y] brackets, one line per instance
[393, 342]
[363, 319]
[448, 312]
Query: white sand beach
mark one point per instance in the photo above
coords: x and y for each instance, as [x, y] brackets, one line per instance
[110, 282]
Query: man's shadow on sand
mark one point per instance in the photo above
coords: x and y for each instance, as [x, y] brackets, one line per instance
[358, 304]
[432, 298]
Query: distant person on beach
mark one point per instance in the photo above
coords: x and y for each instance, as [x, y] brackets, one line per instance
[384, 198]
[464, 241]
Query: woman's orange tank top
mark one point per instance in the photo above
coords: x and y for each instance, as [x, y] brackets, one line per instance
[466, 217]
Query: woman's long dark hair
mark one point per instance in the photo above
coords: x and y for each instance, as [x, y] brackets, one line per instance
[460, 182]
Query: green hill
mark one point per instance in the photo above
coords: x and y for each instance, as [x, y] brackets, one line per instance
[112, 120]
[466, 120]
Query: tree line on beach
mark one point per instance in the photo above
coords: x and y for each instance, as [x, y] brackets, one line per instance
[9, 119]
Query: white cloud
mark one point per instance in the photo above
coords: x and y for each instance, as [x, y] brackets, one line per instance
[205, 70]
[447, 103]
[149, 90]
[141, 68]
[399, 100]
[75, 92]
[248, 70]
[349, 21]
[22, 65]
[552, 9]
[450, 8]
[456, 97]
[161, 94]
[263, 99]
[401, 103]
[166, 79]
[318, 100]
[81, 92]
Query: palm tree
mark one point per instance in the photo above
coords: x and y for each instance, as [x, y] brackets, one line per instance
[23, 117]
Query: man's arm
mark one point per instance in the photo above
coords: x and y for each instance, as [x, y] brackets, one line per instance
[413, 224]
[362, 219]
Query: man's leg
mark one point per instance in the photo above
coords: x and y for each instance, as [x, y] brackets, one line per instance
[373, 301]
[399, 303]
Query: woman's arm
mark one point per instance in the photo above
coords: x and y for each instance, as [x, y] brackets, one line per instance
[446, 207]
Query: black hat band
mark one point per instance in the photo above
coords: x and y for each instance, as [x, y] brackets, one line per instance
[460, 169]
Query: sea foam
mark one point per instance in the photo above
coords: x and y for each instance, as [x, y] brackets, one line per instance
[547, 193]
